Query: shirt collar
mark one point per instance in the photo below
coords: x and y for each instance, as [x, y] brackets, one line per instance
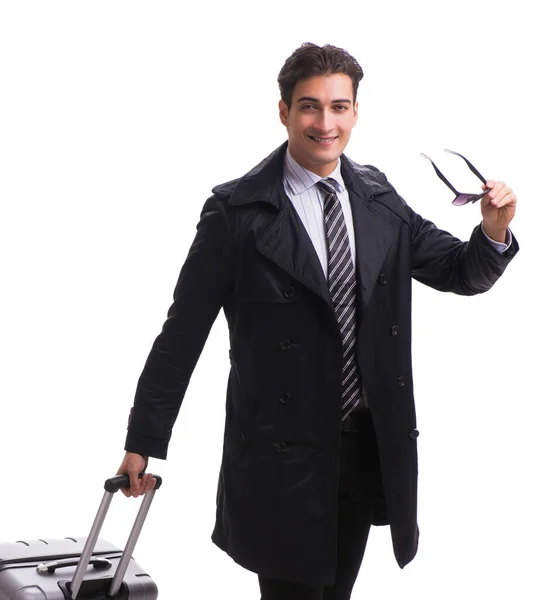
[299, 179]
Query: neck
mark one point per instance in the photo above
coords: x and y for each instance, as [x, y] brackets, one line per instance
[322, 170]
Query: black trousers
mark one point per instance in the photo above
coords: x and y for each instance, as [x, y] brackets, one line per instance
[360, 486]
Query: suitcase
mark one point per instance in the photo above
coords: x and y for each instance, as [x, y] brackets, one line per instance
[59, 569]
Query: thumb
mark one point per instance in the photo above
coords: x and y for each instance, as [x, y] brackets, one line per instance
[136, 464]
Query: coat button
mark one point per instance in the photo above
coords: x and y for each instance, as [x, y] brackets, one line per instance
[401, 381]
[289, 292]
[383, 279]
[394, 330]
[414, 434]
[285, 398]
[285, 344]
[281, 447]
[241, 437]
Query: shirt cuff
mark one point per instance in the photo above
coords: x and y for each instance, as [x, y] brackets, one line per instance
[499, 246]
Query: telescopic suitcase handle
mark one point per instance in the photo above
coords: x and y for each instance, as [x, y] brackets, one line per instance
[112, 485]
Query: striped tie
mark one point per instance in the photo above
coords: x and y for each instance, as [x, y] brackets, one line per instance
[342, 286]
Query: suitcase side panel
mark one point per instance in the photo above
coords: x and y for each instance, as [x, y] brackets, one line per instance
[23, 582]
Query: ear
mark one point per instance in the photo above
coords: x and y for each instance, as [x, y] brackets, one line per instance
[283, 113]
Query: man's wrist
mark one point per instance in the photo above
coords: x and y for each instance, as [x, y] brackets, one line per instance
[496, 233]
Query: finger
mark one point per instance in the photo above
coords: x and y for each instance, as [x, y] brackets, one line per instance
[509, 199]
[496, 191]
[151, 483]
[496, 187]
[485, 201]
[145, 483]
[142, 485]
[134, 482]
[143, 478]
[488, 196]
[501, 195]
[122, 471]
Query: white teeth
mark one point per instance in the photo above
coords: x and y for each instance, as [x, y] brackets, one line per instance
[324, 139]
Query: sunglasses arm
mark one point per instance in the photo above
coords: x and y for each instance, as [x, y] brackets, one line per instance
[440, 175]
[470, 165]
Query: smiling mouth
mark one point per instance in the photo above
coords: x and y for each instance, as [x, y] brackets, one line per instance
[319, 140]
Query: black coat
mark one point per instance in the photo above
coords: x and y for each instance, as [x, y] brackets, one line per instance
[278, 483]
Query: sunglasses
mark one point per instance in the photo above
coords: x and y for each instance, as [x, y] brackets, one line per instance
[460, 198]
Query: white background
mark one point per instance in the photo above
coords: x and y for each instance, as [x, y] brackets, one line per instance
[117, 119]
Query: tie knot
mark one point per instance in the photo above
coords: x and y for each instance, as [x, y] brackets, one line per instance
[328, 185]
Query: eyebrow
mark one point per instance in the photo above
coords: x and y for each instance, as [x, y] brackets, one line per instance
[304, 98]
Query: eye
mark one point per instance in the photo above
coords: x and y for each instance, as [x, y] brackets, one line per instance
[341, 106]
[307, 106]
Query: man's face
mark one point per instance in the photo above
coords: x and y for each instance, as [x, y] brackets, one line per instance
[322, 107]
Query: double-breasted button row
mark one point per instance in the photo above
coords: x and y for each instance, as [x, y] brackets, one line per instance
[401, 381]
[285, 398]
[414, 434]
[241, 437]
[289, 292]
[383, 280]
[285, 344]
[394, 330]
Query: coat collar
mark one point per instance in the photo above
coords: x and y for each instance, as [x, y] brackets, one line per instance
[287, 243]
[264, 183]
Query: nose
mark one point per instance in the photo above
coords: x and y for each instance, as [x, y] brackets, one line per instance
[324, 122]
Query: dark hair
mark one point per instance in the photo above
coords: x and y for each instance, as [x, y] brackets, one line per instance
[310, 60]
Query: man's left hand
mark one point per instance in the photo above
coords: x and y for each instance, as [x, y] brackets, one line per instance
[498, 209]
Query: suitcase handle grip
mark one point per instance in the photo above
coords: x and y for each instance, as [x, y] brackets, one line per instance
[50, 567]
[113, 484]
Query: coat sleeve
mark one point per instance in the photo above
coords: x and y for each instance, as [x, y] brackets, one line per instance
[203, 283]
[444, 262]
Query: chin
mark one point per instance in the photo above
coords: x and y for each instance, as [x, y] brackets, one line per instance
[327, 157]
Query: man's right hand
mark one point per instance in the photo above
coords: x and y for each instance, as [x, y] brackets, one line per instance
[132, 465]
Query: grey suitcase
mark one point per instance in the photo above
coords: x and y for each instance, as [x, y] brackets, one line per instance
[59, 569]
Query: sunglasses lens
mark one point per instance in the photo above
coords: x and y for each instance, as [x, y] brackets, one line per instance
[461, 199]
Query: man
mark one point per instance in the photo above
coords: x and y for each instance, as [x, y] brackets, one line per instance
[311, 257]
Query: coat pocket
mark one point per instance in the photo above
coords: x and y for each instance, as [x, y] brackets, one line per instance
[241, 411]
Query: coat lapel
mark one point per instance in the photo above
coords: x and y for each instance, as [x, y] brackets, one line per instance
[286, 241]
